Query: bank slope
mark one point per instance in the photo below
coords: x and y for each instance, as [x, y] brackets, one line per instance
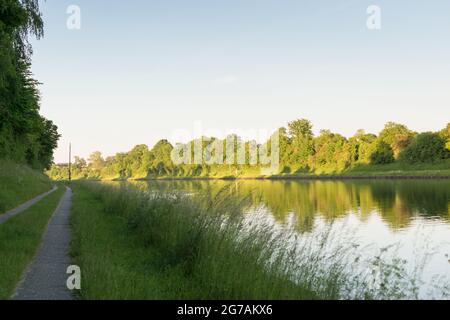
[19, 183]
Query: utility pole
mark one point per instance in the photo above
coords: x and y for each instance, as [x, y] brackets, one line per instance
[70, 162]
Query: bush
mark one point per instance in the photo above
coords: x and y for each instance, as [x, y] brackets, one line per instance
[425, 148]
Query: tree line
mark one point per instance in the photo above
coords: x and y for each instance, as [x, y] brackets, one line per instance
[300, 152]
[25, 135]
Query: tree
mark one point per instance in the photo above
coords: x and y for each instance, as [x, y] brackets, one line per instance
[361, 147]
[162, 161]
[79, 167]
[397, 136]
[96, 162]
[331, 152]
[300, 128]
[301, 135]
[426, 147]
[25, 136]
[79, 163]
[285, 151]
[135, 161]
[445, 134]
[383, 154]
[48, 141]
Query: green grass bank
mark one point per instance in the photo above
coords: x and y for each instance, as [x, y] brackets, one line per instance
[19, 183]
[131, 248]
[441, 169]
[20, 238]
[387, 171]
[134, 245]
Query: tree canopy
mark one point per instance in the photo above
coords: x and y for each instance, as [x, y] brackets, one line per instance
[425, 147]
[300, 152]
[25, 136]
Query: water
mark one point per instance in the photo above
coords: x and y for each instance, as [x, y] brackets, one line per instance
[412, 216]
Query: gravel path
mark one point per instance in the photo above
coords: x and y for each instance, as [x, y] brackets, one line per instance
[46, 277]
[9, 214]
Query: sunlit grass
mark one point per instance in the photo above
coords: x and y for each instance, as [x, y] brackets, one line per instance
[401, 169]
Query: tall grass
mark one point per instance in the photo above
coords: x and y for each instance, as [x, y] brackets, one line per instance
[226, 256]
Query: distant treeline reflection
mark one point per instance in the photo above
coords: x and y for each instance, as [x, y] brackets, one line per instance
[397, 201]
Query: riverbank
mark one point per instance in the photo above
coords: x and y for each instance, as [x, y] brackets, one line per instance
[131, 248]
[440, 175]
[389, 171]
[298, 177]
[133, 245]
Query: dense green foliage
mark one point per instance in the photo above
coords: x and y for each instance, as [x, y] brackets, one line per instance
[425, 147]
[20, 183]
[20, 238]
[382, 154]
[25, 136]
[301, 153]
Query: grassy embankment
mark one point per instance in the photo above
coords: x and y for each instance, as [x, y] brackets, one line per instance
[19, 183]
[441, 169]
[132, 245]
[394, 170]
[365, 171]
[20, 238]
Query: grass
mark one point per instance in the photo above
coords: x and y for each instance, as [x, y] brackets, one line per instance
[398, 169]
[134, 245]
[20, 183]
[20, 238]
[114, 265]
[141, 249]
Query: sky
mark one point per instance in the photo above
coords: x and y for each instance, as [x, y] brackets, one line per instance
[138, 71]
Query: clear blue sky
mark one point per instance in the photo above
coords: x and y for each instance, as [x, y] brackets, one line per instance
[139, 69]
